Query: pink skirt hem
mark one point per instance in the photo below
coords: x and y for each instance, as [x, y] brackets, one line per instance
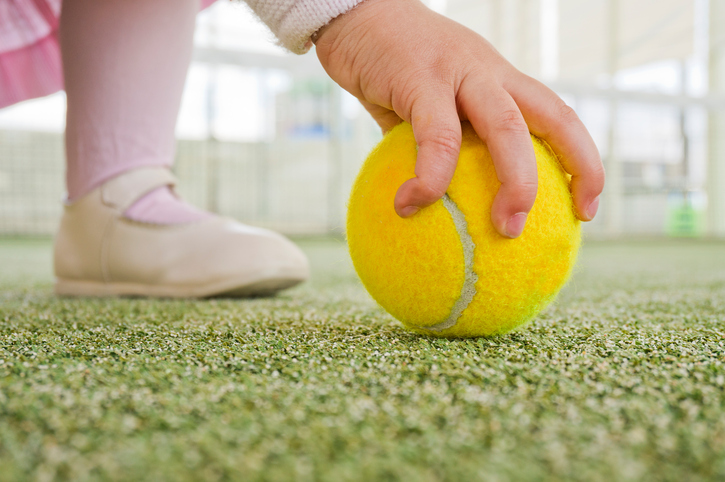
[30, 72]
[35, 70]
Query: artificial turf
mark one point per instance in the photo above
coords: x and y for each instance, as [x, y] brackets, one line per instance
[623, 379]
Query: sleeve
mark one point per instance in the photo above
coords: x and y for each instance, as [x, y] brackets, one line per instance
[293, 22]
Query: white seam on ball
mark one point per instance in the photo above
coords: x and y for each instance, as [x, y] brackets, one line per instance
[468, 291]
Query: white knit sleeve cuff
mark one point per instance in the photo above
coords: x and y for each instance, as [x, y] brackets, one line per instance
[294, 22]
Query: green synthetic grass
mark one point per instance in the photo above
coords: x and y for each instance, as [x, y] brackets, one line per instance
[623, 379]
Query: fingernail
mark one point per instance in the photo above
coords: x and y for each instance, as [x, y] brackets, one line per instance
[515, 225]
[592, 209]
[408, 211]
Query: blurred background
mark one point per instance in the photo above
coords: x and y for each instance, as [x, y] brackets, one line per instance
[267, 138]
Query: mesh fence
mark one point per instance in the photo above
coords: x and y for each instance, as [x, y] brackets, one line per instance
[296, 186]
[31, 182]
[298, 183]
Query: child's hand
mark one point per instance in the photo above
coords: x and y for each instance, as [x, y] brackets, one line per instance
[404, 61]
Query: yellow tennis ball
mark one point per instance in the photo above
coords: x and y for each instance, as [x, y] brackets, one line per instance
[446, 271]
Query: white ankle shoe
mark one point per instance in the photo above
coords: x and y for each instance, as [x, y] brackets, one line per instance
[99, 252]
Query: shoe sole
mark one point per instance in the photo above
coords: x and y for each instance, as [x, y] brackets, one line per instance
[263, 287]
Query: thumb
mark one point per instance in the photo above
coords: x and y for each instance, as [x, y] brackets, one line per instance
[437, 130]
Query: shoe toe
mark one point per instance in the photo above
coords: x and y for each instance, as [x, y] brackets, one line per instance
[268, 261]
[218, 257]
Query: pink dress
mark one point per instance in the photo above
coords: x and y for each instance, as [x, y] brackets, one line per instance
[30, 63]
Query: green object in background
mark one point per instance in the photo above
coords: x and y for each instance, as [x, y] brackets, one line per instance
[685, 215]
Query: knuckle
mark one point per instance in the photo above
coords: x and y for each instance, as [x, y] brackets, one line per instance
[598, 171]
[410, 99]
[564, 113]
[598, 176]
[523, 189]
[510, 120]
[433, 192]
[447, 142]
[592, 175]
[527, 188]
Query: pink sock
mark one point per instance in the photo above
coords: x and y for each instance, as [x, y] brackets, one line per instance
[163, 206]
[125, 63]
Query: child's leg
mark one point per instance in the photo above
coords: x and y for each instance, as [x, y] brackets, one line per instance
[125, 63]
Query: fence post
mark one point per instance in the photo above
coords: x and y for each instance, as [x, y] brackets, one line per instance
[335, 204]
[716, 124]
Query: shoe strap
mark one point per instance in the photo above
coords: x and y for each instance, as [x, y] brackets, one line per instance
[124, 190]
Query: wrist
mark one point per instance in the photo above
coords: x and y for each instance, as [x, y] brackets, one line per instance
[343, 24]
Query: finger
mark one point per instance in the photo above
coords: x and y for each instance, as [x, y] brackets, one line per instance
[551, 119]
[386, 118]
[498, 121]
[437, 130]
